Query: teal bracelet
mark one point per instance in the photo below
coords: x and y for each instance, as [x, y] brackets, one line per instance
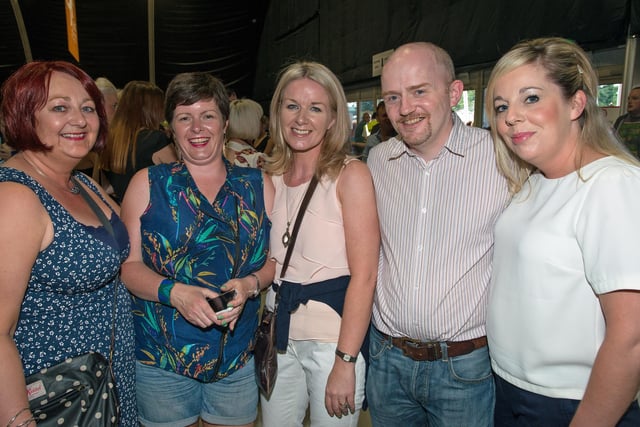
[164, 291]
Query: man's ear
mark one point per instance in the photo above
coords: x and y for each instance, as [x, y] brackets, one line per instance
[456, 88]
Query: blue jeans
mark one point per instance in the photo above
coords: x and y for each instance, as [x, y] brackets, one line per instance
[516, 407]
[450, 392]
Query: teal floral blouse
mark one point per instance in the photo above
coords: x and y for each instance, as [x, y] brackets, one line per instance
[186, 238]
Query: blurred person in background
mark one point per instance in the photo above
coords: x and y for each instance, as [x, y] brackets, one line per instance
[244, 128]
[88, 164]
[628, 125]
[136, 139]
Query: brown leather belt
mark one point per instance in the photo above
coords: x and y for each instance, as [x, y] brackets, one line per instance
[430, 351]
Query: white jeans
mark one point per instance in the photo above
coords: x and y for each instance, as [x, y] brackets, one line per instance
[302, 378]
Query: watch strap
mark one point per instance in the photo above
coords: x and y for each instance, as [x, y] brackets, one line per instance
[346, 357]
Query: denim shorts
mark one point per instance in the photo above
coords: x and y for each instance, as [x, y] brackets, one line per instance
[166, 399]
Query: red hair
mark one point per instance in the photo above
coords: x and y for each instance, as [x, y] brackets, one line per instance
[26, 91]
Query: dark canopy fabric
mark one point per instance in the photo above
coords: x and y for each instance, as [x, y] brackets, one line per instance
[345, 35]
[220, 37]
[246, 42]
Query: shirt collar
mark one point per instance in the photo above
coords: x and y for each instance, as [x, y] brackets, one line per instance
[455, 143]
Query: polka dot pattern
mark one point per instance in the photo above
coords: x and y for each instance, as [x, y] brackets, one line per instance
[76, 392]
[67, 309]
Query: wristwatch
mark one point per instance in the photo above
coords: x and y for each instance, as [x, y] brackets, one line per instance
[346, 357]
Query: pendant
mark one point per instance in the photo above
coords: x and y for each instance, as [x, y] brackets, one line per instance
[75, 187]
[286, 237]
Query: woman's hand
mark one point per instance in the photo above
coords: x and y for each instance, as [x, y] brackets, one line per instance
[339, 396]
[192, 302]
[245, 288]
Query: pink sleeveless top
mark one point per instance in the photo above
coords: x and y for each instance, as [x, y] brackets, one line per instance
[319, 254]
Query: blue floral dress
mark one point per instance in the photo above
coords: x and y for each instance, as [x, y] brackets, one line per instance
[186, 238]
[68, 306]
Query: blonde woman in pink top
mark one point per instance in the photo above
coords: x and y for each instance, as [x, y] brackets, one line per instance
[326, 295]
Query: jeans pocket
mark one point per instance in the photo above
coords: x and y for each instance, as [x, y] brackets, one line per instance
[472, 367]
[377, 344]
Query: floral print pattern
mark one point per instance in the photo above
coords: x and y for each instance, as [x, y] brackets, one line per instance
[186, 238]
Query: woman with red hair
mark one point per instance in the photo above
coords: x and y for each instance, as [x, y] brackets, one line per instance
[59, 264]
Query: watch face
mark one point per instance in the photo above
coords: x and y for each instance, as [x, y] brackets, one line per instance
[346, 357]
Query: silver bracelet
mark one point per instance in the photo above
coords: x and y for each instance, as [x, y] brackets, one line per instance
[258, 285]
[26, 422]
[16, 416]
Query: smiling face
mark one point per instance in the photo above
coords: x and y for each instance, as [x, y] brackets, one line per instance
[305, 115]
[418, 96]
[68, 123]
[536, 121]
[199, 131]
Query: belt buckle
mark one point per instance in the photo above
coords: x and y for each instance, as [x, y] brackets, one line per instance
[421, 351]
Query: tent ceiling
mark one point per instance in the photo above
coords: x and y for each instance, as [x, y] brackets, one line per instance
[217, 36]
[246, 42]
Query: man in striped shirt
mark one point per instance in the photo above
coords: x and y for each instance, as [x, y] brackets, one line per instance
[439, 194]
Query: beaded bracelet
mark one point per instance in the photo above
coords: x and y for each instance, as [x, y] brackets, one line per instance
[164, 290]
[258, 285]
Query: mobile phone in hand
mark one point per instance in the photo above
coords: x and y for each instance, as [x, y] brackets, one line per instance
[219, 303]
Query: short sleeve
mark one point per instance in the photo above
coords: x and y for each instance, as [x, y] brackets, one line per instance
[608, 229]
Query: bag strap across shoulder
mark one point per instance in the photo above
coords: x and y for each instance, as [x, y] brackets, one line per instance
[296, 225]
[107, 225]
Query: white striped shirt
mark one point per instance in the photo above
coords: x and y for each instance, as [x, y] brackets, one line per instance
[436, 223]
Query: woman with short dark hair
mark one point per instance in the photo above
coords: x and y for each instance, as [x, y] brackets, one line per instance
[198, 228]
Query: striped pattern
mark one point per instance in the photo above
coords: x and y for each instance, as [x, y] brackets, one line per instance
[436, 222]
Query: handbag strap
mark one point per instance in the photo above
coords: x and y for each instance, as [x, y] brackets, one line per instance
[95, 208]
[296, 225]
[107, 225]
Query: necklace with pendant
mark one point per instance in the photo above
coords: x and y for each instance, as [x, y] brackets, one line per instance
[72, 187]
[286, 237]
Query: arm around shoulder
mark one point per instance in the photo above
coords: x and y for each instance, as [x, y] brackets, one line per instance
[167, 154]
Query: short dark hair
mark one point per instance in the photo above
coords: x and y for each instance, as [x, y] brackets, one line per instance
[26, 91]
[189, 88]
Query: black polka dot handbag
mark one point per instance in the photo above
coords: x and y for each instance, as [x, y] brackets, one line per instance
[79, 391]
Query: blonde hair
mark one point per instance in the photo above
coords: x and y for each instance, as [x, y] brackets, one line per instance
[567, 66]
[244, 120]
[334, 149]
[105, 86]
